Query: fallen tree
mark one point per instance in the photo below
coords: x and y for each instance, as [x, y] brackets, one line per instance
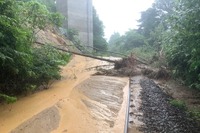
[90, 56]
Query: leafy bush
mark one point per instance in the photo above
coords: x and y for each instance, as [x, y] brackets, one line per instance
[7, 98]
[56, 19]
[184, 45]
[46, 62]
[22, 67]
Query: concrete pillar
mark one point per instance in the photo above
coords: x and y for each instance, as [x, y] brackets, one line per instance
[79, 17]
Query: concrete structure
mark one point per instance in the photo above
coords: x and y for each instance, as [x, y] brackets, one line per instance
[79, 17]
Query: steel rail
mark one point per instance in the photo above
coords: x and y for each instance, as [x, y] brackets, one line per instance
[128, 108]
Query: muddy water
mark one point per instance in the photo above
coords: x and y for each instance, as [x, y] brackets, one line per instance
[68, 107]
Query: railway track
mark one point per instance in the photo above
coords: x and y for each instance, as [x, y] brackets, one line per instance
[133, 113]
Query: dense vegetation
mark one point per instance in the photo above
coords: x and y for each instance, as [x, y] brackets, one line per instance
[98, 33]
[24, 67]
[169, 30]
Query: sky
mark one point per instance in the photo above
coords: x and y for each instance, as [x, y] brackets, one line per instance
[120, 15]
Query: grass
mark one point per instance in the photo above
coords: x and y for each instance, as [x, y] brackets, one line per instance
[195, 113]
[178, 103]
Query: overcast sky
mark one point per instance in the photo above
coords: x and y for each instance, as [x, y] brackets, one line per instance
[120, 15]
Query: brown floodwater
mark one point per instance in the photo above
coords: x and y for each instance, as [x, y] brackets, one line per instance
[73, 104]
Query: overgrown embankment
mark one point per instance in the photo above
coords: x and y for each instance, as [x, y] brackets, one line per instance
[23, 66]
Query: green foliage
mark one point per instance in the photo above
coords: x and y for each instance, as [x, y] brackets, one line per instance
[37, 16]
[146, 52]
[72, 35]
[115, 43]
[154, 22]
[149, 21]
[50, 4]
[98, 34]
[126, 43]
[133, 39]
[184, 45]
[172, 29]
[56, 19]
[195, 113]
[115, 37]
[178, 103]
[7, 98]
[46, 62]
[169, 29]
[22, 67]
[100, 43]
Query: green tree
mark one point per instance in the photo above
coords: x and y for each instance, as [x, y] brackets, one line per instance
[14, 48]
[184, 43]
[50, 4]
[116, 43]
[126, 43]
[98, 33]
[154, 19]
[133, 39]
[115, 37]
[148, 21]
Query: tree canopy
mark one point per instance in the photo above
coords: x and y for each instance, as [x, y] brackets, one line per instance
[172, 25]
[99, 41]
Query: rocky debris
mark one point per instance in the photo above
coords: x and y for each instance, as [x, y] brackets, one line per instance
[160, 73]
[159, 115]
[122, 68]
[123, 72]
[131, 67]
[128, 62]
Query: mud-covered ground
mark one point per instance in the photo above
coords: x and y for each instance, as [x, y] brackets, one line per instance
[77, 103]
[159, 116]
[82, 103]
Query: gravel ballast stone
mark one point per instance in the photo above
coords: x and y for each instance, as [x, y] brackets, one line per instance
[159, 115]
